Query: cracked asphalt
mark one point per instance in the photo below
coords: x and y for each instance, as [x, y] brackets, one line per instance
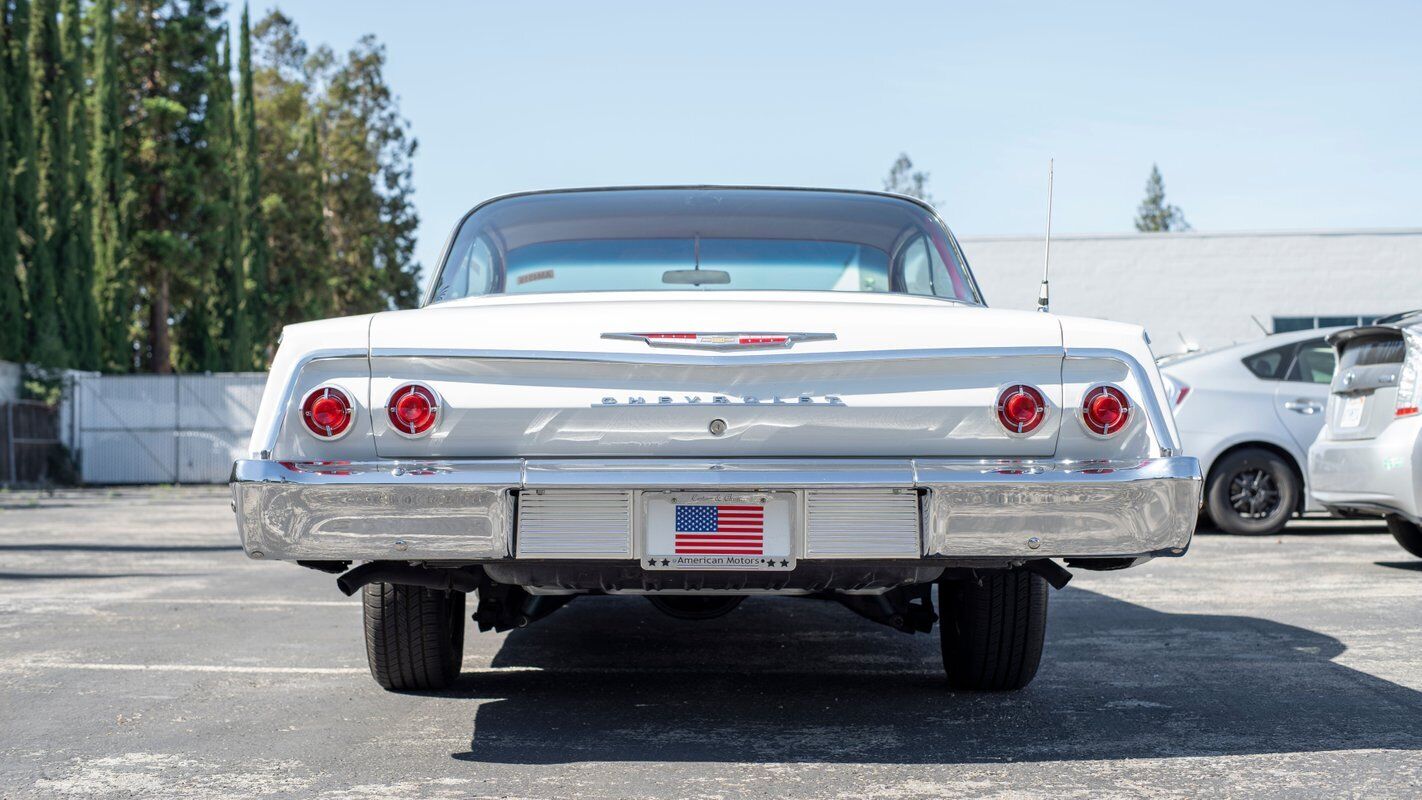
[141, 655]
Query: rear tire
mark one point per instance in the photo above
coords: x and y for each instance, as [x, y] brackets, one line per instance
[1407, 534]
[1252, 492]
[992, 629]
[414, 637]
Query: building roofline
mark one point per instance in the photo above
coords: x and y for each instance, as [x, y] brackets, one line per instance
[1334, 232]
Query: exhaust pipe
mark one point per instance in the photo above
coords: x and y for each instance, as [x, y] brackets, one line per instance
[462, 579]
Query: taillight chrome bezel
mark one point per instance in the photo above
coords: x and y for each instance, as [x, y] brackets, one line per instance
[1128, 409]
[417, 387]
[327, 433]
[1026, 429]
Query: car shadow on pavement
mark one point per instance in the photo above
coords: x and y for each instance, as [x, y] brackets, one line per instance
[788, 680]
[1416, 566]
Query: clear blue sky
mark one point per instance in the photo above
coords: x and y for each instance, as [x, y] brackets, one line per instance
[1261, 115]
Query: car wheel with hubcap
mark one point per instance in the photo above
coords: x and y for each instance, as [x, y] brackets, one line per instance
[414, 637]
[992, 627]
[1252, 492]
[1407, 534]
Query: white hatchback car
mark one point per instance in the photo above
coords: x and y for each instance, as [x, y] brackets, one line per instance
[1369, 458]
[1249, 412]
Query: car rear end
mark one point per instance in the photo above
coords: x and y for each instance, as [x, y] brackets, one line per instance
[1369, 456]
[700, 394]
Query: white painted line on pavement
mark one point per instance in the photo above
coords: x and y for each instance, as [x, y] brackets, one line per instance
[18, 665]
[88, 600]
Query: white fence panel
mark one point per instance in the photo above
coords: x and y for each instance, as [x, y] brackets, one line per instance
[163, 428]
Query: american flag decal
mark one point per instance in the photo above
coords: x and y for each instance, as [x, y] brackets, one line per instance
[720, 530]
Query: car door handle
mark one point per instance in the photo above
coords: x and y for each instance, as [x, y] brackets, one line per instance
[1307, 407]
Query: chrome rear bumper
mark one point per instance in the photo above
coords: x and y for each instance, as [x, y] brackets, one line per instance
[466, 510]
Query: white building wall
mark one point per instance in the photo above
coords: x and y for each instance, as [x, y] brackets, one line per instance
[1203, 287]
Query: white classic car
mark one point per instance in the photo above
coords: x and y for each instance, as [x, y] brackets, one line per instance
[698, 394]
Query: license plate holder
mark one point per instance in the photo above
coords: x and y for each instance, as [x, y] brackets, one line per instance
[748, 531]
[1352, 415]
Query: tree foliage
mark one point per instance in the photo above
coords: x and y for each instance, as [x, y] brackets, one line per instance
[903, 179]
[1154, 215]
[152, 218]
[12, 310]
[113, 290]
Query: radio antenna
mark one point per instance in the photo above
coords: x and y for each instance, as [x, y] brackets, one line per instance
[1044, 297]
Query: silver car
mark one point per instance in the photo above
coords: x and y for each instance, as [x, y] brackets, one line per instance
[1249, 412]
[1369, 457]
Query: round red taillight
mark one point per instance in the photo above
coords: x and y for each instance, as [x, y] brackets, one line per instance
[413, 409]
[1021, 408]
[1105, 410]
[327, 412]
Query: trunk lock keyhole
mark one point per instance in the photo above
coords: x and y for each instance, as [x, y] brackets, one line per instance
[717, 427]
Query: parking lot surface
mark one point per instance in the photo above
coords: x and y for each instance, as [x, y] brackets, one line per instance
[142, 655]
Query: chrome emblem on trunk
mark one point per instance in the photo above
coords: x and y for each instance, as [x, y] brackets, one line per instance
[723, 341]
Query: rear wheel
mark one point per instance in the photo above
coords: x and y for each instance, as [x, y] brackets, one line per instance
[1252, 492]
[414, 637]
[1407, 534]
[992, 628]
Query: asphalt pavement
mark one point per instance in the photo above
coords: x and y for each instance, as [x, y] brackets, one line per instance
[142, 655]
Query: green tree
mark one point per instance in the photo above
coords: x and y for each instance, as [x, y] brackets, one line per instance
[902, 179]
[12, 319]
[291, 173]
[249, 200]
[113, 285]
[49, 99]
[77, 266]
[24, 160]
[368, 152]
[167, 48]
[234, 341]
[1154, 215]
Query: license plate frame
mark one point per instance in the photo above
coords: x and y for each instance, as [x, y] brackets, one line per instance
[728, 548]
[1352, 414]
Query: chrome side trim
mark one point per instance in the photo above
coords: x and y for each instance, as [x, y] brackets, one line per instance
[713, 360]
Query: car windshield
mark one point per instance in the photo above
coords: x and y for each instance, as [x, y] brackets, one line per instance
[703, 240]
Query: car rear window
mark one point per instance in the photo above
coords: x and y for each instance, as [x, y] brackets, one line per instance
[1377, 351]
[1271, 365]
[703, 239]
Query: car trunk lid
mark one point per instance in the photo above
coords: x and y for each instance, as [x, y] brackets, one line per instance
[772, 374]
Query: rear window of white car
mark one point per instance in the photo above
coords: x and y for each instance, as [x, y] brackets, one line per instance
[704, 240]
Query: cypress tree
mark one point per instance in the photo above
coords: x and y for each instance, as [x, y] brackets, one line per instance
[234, 343]
[78, 247]
[24, 160]
[254, 234]
[1154, 215]
[113, 285]
[12, 320]
[48, 97]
